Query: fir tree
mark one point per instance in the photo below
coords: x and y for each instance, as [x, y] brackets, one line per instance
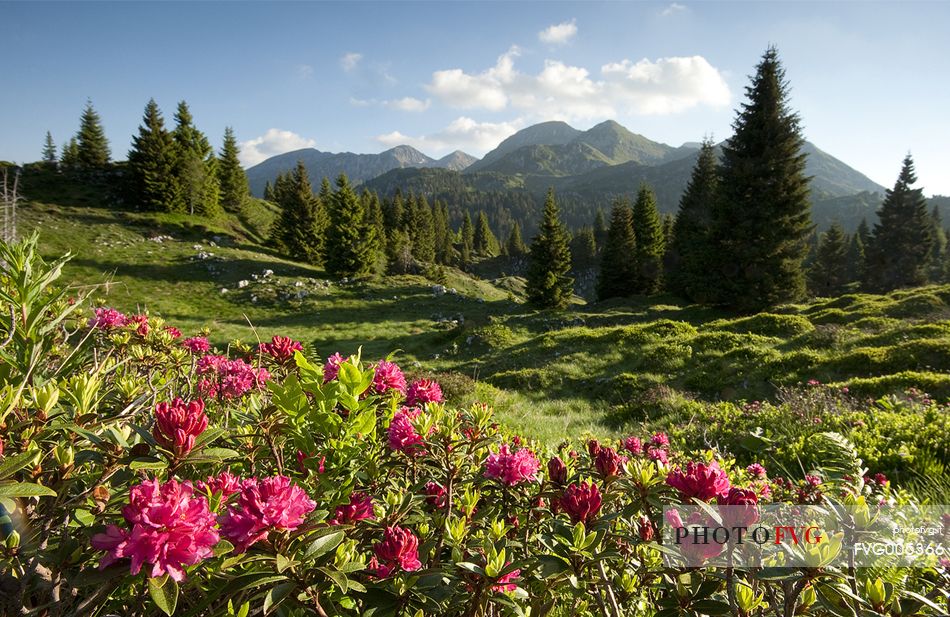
[350, 244]
[515, 246]
[422, 231]
[49, 151]
[443, 233]
[70, 158]
[152, 182]
[195, 167]
[899, 250]
[864, 232]
[467, 239]
[938, 251]
[269, 192]
[762, 220]
[231, 176]
[856, 258]
[600, 228]
[295, 231]
[583, 248]
[484, 242]
[93, 147]
[618, 266]
[650, 249]
[690, 253]
[829, 271]
[548, 284]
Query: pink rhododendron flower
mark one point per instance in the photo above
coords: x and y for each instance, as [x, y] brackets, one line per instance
[272, 503]
[581, 501]
[756, 470]
[436, 496]
[398, 551]
[359, 508]
[557, 471]
[633, 445]
[402, 434]
[692, 548]
[608, 462]
[169, 528]
[224, 484]
[593, 447]
[742, 510]
[504, 583]
[178, 423]
[388, 377]
[658, 454]
[423, 391]
[280, 348]
[332, 367]
[229, 379]
[196, 344]
[173, 331]
[512, 468]
[700, 480]
[645, 529]
[142, 320]
[107, 319]
[660, 440]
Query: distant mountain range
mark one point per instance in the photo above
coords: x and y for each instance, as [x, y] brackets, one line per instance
[358, 167]
[589, 167]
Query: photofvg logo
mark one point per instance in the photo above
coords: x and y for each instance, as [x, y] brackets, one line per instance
[788, 536]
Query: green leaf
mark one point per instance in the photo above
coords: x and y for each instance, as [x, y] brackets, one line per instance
[147, 462]
[25, 489]
[276, 595]
[283, 562]
[337, 577]
[712, 607]
[13, 464]
[164, 592]
[211, 455]
[552, 565]
[208, 436]
[324, 544]
[223, 547]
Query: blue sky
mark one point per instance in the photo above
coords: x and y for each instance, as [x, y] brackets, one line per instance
[870, 79]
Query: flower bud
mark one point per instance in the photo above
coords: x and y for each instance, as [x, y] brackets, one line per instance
[13, 540]
[557, 471]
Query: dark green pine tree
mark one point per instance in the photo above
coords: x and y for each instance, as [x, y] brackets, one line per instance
[443, 233]
[864, 232]
[422, 231]
[855, 258]
[828, 274]
[689, 253]
[515, 246]
[600, 228]
[49, 151]
[467, 239]
[938, 252]
[583, 248]
[549, 284]
[374, 214]
[152, 183]
[762, 217]
[350, 244]
[295, 229]
[269, 192]
[899, 250]
[484, 242]
[69, 160]
[93, 147]
[648, 230]
[195, 167]
[618, 266]
[231, 177]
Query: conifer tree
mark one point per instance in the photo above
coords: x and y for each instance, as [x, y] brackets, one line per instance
[600, 228]
[899, 250]
[269, 192]
[864, 232]
[548, 283]
[829, 270]
[938, 252]
[231, 176]
[350, 244]
[515, 246]
[422, 231]
[690, 253]
[484, 242]
[69, 160]
[93, 147]
[648, 230]
[856, 258]
[195, 167]
[49, 150]
[762, 220]
[618, 265]
[467, 237]
[583, 248]
[295, 230]
[442, 231]
[151, 180]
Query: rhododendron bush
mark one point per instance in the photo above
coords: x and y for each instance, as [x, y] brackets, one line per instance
[147, 471]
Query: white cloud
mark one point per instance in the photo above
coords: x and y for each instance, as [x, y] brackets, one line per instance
[350, 60]
[355, 102]
[561, 91]
[271, 143]
[304, 71]
[673, 9]
[408, 103]
[463, 133]
[558, 34]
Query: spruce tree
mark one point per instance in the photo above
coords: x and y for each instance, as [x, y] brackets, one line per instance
[269, 192]
[69, 160]
[295, 230]
[151, 180]
[856, 258]
[515, 246]
[618, 265]
[762, 220]
[467, 238]
[195, 167]
[548, 283]
[49, 151]
[484, 242]
[583, 248]
[350, 244]
[938, 251]
[93, 147]
[829, 271]
[899, 250]
[422, 231]
[231, 176]
[600, 228]
[648, 230]
[864, 232]
[690, 253]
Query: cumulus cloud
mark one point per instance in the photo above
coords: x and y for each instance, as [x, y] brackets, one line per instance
[463, 133]
[558, 34]
[271, 143]
[408, 103]
[350, 60]
[562, 91]
[673, 9]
